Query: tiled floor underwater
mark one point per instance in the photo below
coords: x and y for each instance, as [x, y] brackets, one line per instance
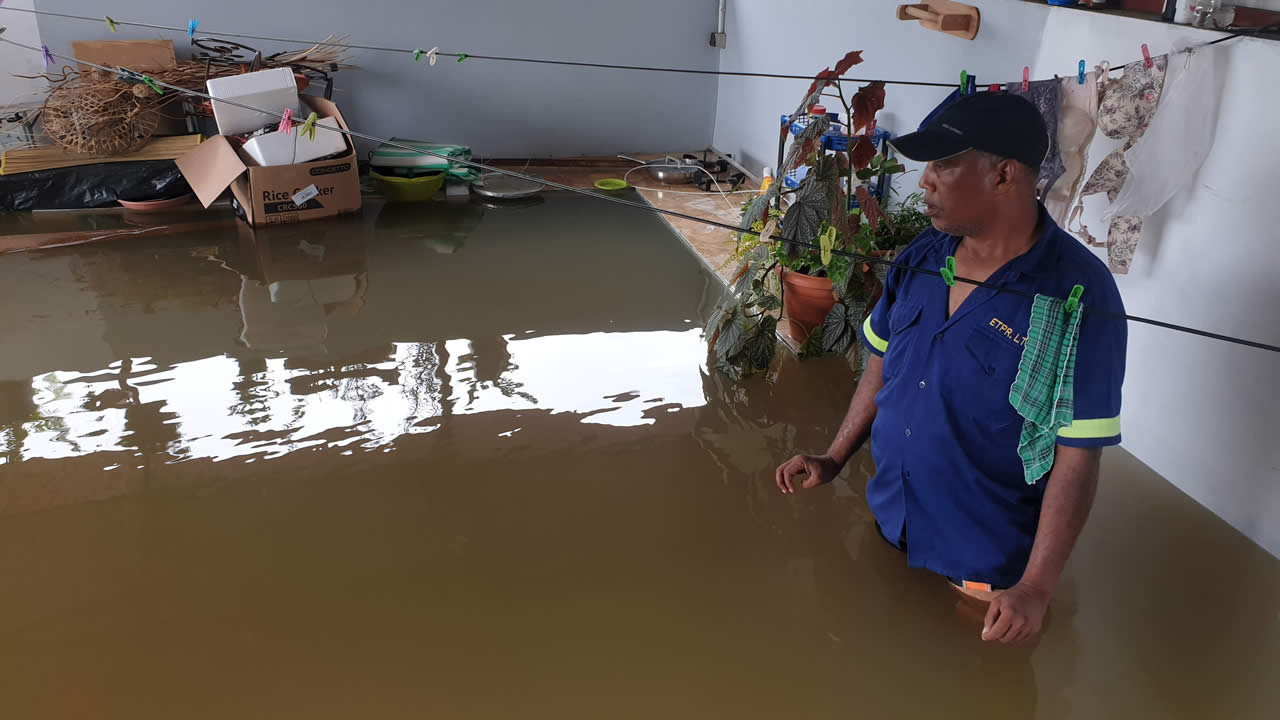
[712, 243]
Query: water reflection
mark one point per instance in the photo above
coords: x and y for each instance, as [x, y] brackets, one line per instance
[259, 343]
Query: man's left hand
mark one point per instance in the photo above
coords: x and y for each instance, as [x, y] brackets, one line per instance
[1016, 614]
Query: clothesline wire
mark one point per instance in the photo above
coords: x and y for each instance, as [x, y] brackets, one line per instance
[122, 72]
[540, 61]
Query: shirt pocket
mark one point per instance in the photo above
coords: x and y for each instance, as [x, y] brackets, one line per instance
[903, 319]
[989, 368]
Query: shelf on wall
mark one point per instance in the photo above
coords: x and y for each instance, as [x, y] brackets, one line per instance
[1256, 17]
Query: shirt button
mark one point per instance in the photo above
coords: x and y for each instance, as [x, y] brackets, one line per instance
[908, 432]
[922, 384]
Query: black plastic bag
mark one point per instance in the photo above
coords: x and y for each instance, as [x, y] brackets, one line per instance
[92, 186]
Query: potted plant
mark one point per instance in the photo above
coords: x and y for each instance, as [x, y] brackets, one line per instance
[823, 294]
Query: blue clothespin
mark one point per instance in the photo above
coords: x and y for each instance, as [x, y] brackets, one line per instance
[1080, 73]
[191, 28]
[48, 56]
[949, 271]
[964, 82]
[1073, 300]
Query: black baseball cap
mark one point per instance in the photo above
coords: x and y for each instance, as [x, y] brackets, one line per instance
[996, 122]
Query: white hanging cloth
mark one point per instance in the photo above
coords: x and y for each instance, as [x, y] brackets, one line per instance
[1177, 141]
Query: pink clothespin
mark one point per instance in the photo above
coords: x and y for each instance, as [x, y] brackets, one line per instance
[48, 56]
[1146, 56]
[1026, 79]
[286, 122]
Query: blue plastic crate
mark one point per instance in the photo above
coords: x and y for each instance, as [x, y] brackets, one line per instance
[830, 142]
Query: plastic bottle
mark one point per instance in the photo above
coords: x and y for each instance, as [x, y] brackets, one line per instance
[768, 180]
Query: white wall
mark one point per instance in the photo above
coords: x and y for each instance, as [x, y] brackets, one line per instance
[817, 33]
[1200, 412]
[500, 109]
[22, 28]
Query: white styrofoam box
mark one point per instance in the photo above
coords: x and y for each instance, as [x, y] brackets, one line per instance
[276, 148]
[272, 90]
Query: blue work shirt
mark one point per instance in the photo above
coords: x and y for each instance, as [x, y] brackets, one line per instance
[945, 438]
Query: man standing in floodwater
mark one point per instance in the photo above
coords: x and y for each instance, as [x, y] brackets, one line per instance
[949, 488]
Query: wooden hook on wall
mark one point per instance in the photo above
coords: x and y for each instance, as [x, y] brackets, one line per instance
[945, 16]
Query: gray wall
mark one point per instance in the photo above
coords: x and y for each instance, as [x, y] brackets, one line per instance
[500, 109]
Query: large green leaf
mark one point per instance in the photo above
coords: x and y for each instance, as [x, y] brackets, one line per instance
[718, 318]
[746, 276]
[809, 206]
[804, 144]
[767, 301]
[729, 370]
[812, 346]
[835, 329]
[759, 351]
[733, 337]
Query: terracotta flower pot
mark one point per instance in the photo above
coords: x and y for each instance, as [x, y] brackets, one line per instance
[806, 300]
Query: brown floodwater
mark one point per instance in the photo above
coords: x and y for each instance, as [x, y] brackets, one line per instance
[468, 462]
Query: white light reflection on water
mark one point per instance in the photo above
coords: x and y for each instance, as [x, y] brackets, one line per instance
[208, 408]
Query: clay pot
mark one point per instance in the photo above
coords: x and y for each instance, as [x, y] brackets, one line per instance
[806, 300]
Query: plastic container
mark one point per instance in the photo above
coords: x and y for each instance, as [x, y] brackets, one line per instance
[768, 180]
[408, 190]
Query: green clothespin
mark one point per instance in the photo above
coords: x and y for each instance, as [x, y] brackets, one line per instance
[964, 81]
[949, 272]
[1073, 300]
[152, 84]
[309, 127]
[110, 23]
[417, 54]
[462, 56]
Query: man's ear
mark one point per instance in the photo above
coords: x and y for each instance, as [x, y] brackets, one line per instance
[1007, 174]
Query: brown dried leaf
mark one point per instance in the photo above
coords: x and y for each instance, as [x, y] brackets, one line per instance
[862, 152]
[865, 104]
[851, 58]
[870, 208]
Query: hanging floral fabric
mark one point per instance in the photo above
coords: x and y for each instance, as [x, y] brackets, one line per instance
[1177, 141]
[1124, 113]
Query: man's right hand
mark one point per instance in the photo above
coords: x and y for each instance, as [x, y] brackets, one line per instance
[819, 469]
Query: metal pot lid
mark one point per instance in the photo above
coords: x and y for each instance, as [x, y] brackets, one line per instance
[506, 187]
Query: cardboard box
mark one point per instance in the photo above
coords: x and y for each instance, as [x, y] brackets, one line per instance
[274, 89]
[142, 56]
[267, 193]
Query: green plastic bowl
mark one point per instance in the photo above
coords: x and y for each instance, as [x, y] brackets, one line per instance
[611, 184]
[416, 190]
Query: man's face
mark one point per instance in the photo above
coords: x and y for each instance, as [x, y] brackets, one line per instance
[958, 192]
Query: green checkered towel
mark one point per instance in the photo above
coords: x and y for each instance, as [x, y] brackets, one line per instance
[1043, 392]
